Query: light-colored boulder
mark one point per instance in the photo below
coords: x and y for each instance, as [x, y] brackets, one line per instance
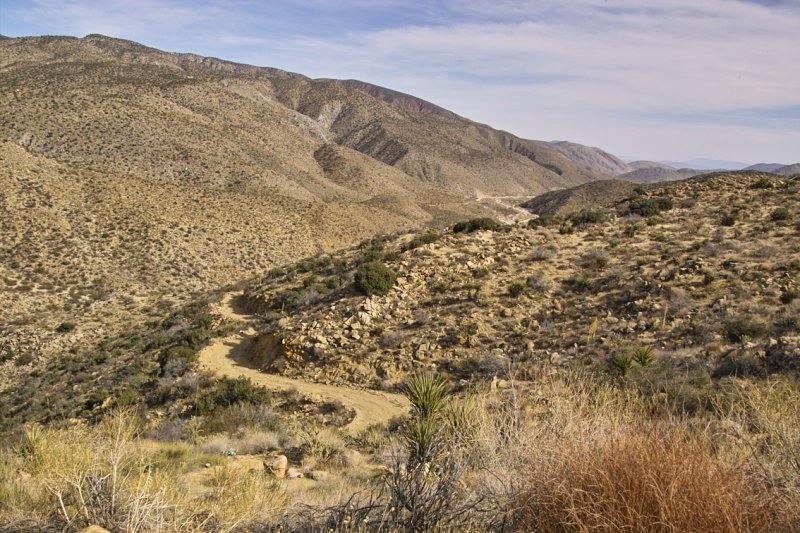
[276, 465]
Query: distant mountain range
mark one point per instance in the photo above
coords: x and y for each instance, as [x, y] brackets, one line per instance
[598, 161]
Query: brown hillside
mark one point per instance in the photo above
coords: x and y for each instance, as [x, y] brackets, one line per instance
[134, 178]
[597, 194]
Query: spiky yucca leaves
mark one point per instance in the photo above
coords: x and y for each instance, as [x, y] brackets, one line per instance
[422, 439]
[643, 355]
[427, 394]
[623, 362]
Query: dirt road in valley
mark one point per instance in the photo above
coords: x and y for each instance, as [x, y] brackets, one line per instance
[229, 357]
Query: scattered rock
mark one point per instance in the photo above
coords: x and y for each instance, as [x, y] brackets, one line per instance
[319, 475]
[276, 465]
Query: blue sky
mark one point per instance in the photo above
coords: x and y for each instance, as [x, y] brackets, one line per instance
[659, 79]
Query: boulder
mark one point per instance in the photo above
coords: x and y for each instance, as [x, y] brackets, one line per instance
[276, 465]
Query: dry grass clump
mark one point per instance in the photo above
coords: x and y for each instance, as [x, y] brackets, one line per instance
[105, 475]
[639, 480]
[597, 459]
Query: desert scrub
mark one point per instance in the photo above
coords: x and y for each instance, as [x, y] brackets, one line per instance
[649, 207]
[588, 216]
[374, 279]
[595, 258]
[745, 327]
[544, 221]
[422, 240]
[729, 219]
[516, 288]
[780, 214]
[229, 392]
[477, 224]
[104, 475]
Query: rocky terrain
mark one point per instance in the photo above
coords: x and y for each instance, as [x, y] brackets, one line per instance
[710, 275]
[661, 329]
[239, 299]
[134, 179]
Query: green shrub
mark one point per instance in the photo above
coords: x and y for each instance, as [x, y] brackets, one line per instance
[516, 288]
[728, 219]
[374, 278]
[421, 240]
[781, 213]
[588, 216]
[477, 224]
[580, 282]
[176, 359]
[648, 207]
[566, 229]
[643, 355]
[631, 229]
[742, 328]
[230, 392]
[789, 295]
[623, 362]
[544, 221]
[761, 183]
[65, 327]
[370, 255]
[480, 273]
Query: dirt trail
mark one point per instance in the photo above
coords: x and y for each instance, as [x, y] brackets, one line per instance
[507, 207]
[228, 357]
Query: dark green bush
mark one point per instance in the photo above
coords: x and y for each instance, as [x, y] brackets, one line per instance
[588, 216]
[477, 224]
[374, 278]
[648, 207]
[65, 327]
[729, 219]
[544, 221]
[230, 392]
[745, 327]
[177, 358]
[580, 282]
[516, 288]
[780, 213]
[762, 183]
[421, 240]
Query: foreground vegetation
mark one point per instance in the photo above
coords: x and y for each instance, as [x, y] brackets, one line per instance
[626, 369]
[576, 452]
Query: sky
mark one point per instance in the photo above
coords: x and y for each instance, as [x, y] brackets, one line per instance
[658, 79]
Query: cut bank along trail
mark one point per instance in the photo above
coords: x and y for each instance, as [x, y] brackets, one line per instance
[228, 357]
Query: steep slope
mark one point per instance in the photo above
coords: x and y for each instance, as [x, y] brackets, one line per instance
[134, 178]
[711, 280]
[593, 159]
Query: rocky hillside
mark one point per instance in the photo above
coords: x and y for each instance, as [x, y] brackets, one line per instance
[699, 272]
[594, 195]
[135, 178]
[593, 159]
[654, 339]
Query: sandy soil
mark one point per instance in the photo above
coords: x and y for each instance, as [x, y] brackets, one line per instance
[228, 357]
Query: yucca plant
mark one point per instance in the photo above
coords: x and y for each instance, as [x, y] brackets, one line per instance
[422, 439]
[643, 355]
[427, 394]
[622, 362]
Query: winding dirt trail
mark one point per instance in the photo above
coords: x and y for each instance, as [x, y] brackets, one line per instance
[229, 357]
